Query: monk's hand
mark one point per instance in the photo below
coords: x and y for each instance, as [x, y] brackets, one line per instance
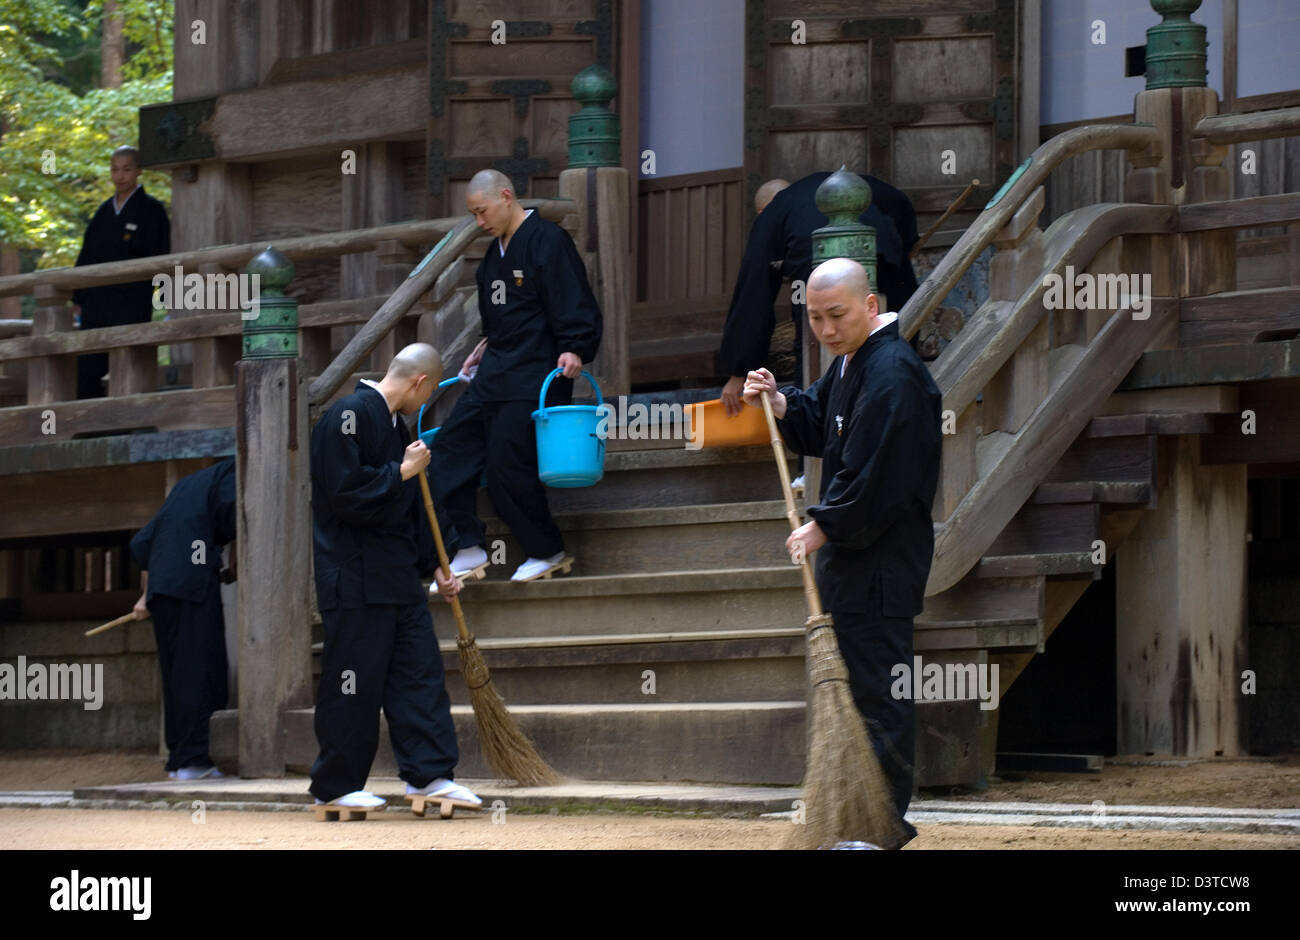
[570, 363]
[805, 540]
[140, 611]
[731, 395]
[759, 381]
[415, 459]
[448, 586]
[475, 356]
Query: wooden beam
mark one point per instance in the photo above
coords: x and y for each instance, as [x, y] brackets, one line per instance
[55, 503]
[1247, 316]
[1254, 212]
[1214, 365]
[165, 411]
[234, 257]
[1202, 399]
[304, 117]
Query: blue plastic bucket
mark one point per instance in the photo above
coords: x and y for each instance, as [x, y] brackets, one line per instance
[429, 435]
[569, 451]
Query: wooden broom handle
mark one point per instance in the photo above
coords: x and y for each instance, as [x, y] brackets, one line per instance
[955, 205]
[461, 629]
[125, 618]
[778, 447]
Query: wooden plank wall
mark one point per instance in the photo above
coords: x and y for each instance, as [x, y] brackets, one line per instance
[690, 238]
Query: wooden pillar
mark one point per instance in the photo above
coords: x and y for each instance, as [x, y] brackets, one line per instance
[51, 378]
[1181, 612]
[274, 538]
[600, 195]
[1181, 573]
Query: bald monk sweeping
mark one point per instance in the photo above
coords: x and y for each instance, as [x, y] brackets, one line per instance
[874, 419]
[538, 314]
[372, 543]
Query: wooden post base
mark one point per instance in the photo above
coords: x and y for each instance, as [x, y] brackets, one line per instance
[328, 812]
[446, 806]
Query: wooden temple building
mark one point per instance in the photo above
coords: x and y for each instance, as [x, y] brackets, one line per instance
[1119, 508]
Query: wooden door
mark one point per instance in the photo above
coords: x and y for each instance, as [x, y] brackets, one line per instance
[920, 93]
[507, 106]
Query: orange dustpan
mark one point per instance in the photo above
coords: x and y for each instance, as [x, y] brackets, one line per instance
[711, 427]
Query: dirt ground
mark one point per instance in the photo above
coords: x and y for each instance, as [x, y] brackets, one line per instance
[1262, 784]
[1219, 783]
[177, 829]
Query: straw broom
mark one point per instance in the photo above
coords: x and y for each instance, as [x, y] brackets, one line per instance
[846, 798]
[505, 747]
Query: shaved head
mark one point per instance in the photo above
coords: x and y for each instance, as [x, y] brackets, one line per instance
[841, 272]
[842, 309]
[767, 192]
[489, 183]
[416, 359]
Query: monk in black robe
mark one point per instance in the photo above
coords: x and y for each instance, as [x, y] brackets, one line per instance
[129, 224]
[539, 314]
[780, 248]
[179, 552]
[372, 544]
[874, 419]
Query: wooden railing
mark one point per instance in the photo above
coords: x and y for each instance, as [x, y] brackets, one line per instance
[50, 350]
[1043, 374]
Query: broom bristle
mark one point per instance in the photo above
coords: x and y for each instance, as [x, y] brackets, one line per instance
[506, 748]
[846, 796]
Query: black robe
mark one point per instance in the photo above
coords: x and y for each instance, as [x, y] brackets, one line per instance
[549, 309]
[140, 230]
[780, 248]
[200, 507]
[878, 432]
[371, 538]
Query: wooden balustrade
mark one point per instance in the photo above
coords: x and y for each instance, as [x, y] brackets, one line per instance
[50, 344]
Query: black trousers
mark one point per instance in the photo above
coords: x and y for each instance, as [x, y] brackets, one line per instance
[191, 642]
[497, 435]
[871, 646]
[381, 656]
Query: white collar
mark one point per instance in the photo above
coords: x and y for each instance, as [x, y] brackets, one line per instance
[885, 320]
[501, 247]
[117, 210]
[375, 386]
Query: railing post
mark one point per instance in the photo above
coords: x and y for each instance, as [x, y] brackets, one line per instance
[214, 357]
[51, 378]
[599, 188]
[1021, 384]
[274, 526]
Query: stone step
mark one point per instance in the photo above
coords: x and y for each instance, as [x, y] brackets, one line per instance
[705, 742]
[627, 541]
[639, 479]
[995, 611]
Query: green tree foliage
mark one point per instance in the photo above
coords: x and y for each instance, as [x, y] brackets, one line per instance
[56, 137]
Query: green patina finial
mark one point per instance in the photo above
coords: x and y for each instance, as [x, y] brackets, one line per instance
[271, 326]
[594, 130]
[275, 269]
[842, 198]
[1175, 55]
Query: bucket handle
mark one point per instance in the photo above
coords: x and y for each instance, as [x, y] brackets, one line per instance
[420, 418]
[591, 380]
